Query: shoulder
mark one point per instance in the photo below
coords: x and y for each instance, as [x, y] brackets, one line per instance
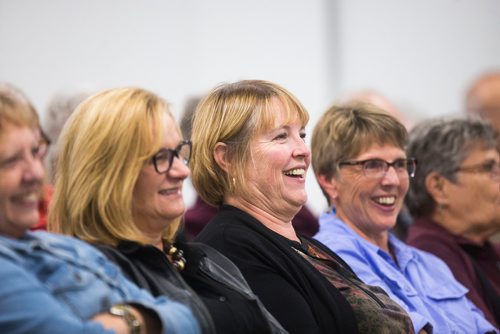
[341, 239]
[430, 263]
[62, 241]
[232, 227]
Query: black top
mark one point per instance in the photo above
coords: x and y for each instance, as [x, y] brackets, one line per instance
[297, 294]
[220, 300]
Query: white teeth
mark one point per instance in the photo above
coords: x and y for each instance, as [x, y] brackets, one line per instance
[386, 200]
[27, 198]
[295, 172]
[169, 191]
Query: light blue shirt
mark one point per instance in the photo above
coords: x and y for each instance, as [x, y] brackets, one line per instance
[422, 283]
[54, 284]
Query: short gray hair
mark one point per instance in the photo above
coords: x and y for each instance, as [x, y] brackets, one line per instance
[441, 145]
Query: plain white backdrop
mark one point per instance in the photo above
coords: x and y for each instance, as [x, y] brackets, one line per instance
[420, 54]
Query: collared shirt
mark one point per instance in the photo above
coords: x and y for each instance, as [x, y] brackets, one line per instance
[420, 282]
[53, 283]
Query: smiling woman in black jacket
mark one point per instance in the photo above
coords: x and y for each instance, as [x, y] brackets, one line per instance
[119, 186]
[250, 158]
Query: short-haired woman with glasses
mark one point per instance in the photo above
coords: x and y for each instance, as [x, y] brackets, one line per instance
[455, 201]
[118, 186]
[359, 159]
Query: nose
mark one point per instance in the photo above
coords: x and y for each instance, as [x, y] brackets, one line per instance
[34, 170]
[390, 177]
[301, 149]
[178, 169]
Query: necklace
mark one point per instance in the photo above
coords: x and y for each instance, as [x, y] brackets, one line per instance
[176, 256]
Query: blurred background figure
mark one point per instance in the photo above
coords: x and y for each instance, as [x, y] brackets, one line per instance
[59, 109]
[380, 100]
[455, 200]
[483, 99]
[197, 216]
[17, 95]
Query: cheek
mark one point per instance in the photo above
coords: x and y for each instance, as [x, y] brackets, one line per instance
[145, 186]
[404, 186]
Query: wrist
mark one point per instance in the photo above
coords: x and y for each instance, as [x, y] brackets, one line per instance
[129, 315]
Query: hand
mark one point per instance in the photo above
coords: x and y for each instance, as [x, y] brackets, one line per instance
[150, 323]
[109, 321]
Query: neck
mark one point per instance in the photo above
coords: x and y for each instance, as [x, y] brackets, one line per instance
[378, 238]
[458, 226]
[154, 238]
[281, 224]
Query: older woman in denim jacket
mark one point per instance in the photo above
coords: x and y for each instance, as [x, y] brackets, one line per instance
[52, 283]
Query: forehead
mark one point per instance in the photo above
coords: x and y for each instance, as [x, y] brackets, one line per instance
[478, 154]
[381, 151]
[12, 135]
[279, 112]
[169, 130]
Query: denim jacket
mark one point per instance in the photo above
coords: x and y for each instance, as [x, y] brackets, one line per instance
[54, 284]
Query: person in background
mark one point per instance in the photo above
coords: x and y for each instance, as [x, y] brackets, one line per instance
[52, 283]
[360, 163]
[483, 99]
[250, 159]
[59, 109]
[201, 212]
[119, 186]
[14, 93]
[455, 199]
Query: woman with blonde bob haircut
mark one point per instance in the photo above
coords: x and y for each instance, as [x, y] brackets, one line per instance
[241, 113]
[102, 158]
[251, 159]
[119, 186]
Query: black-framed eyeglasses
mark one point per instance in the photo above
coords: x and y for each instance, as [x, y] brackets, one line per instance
[377, 168]
[491, 166]
[165, 157]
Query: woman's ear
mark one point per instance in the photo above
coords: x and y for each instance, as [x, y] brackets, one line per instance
[221, 156]
[437, 186]
[329, 186]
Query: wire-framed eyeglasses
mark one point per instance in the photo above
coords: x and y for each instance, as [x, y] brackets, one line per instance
[491, 167]
[377, 168]
[165, 157]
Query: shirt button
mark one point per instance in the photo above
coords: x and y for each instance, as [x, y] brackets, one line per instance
[222, 299]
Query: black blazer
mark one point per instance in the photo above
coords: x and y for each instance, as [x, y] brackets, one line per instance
[297, 294]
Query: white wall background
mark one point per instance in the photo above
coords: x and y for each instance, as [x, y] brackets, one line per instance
[421, 54]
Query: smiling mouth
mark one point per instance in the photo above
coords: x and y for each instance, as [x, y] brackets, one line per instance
[385, 200]
[298, 172]
[170, 191]
[28, 198]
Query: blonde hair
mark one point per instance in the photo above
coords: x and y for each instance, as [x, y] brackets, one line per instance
[103, 147]
[16, 109]
[233, 114]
